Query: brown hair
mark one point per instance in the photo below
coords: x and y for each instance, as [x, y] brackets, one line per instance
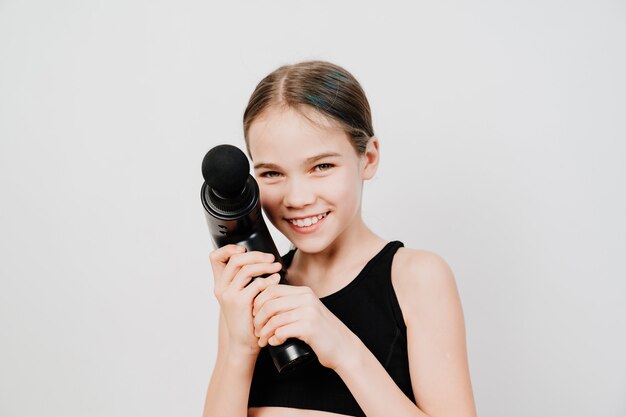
[327, 88]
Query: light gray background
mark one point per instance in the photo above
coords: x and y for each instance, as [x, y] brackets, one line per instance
[502, 127]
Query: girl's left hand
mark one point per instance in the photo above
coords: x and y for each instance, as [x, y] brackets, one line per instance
[284, 311]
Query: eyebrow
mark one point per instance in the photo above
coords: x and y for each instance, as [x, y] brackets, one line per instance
[306, 162]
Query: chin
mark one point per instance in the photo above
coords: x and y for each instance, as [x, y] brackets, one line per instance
[310, 248]
[314, 245]
[309, 244]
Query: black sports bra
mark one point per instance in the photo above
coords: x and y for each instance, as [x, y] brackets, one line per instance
[369, 307]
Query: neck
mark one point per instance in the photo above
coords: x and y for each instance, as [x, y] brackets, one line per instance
[344, 257]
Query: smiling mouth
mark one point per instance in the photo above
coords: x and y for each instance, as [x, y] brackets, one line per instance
[307, 221]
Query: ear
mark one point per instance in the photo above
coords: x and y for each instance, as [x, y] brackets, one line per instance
[370, 159]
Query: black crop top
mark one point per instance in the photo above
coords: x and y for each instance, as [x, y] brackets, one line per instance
[369, 307]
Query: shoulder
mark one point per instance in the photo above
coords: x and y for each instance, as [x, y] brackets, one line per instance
[423, 281]
[413, 266]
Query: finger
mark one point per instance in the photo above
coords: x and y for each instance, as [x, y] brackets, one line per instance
[223, 254]
[247, 272]
[285, 332]
[276, 292]
[276, 306]
[259, 285]
[240, 259]
[219, 258]
[274, 323]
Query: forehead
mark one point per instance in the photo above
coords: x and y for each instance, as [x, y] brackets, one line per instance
[284, 133]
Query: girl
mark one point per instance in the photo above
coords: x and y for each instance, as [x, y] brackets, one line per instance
[385, 321]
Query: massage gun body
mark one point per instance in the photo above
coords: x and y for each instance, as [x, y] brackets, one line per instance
[232, 207]
[245, 228]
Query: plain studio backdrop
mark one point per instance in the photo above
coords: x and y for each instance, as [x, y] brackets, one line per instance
[502, 129]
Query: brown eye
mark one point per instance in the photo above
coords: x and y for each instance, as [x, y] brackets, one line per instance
[323, 167]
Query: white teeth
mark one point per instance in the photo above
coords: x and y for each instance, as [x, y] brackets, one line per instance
[308, 221]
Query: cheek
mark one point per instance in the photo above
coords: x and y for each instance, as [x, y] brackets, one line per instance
[269, 198]
[344, 188]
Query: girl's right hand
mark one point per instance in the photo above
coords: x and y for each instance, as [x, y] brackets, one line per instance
[233, 268]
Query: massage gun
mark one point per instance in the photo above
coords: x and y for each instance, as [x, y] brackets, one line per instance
[230, 196]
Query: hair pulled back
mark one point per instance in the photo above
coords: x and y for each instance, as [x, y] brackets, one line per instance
[327, 88]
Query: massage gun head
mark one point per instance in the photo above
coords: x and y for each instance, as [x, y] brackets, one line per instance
[225, 169]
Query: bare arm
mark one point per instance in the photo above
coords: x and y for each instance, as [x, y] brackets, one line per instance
[436, 346]
[433, 314]
[238, 347]
[229, 387]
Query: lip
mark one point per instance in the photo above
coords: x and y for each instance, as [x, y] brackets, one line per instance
[307, 216]
[307, 229]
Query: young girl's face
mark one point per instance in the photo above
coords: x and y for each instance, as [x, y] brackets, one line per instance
[309, 175]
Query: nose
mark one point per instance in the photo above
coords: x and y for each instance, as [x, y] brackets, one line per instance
[298, 194]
